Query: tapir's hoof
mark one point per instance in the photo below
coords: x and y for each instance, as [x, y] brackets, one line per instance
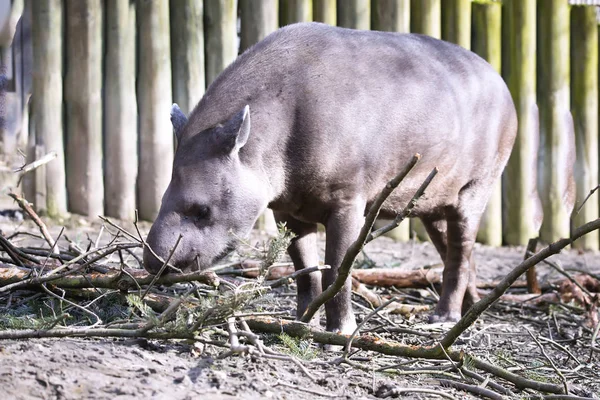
[347, 329]
[449, 316]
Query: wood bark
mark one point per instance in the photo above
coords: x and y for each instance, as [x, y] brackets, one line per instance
[187, 53]
[584, 105]
[120, 111]
[154, 104]
[426, 17]
[355, 14]
[292, 11]
[47, 39]
[258, 19]
[456, 22]
[220, 32]
[83, 99]
[325, 11]
[555, 165]
[487, 42]
[522, 207]
[391, 15]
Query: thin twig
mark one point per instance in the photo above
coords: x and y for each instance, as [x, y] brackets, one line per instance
[25, 206]
[162, 268]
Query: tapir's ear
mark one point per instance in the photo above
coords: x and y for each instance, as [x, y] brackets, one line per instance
[236, 131]
[178, 119]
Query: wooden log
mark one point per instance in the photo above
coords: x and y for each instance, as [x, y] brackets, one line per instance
[258, 19]
[553, 96]
[154, 104]
[390, 15]
[487, 42]
[292, 11]
[426, 17]
[584, 106]
[456, 22]
[325, 11]
[187, 53]
[220, 33]
[522, 207]
[83, 100]
[355, 14]
[47, 39]
[120, 111]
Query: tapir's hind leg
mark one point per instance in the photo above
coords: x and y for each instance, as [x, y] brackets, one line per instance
[459, 289]
[303, 252]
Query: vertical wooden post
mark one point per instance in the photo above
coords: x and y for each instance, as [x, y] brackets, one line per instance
[391, 15]
[83, 99]
[394, 16]
[487, 36]
[220, 32]
[522, 208]
[187, 53]
[584, 105]
[555, 120]
[47, 24]
[154, 104]
[291, 11]
[426, 17]
[456, 22]
[325, 11]
[355, 14]
[258, 18]
[120, 111]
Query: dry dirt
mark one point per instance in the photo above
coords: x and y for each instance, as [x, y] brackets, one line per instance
[128, 369]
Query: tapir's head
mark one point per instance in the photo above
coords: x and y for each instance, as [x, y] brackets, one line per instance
[212, 199]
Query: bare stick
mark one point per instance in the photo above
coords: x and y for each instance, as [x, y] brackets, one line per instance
[480, 391]
[25, 206]
[562, 377]
[355, 248]
[162, 268]
[406, 211]
[532, 283]
[478, 308]
[287, 279]
[34, 165]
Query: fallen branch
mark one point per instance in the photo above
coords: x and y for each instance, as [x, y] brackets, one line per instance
[478, 308]
[25, 206]
[376, 344]
[110, 280]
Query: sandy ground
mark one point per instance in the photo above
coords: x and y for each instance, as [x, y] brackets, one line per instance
[133, 369]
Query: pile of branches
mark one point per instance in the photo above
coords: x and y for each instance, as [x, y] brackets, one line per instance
[218, 301]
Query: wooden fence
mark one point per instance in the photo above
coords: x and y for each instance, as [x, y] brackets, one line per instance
[105, 73]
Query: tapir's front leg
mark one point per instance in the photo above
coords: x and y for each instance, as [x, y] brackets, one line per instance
[304, 254]
[342, 227]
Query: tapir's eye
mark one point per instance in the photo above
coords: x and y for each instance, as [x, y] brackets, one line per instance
[199, 212]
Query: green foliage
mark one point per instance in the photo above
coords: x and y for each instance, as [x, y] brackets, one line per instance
[137, 304]
[302, 349]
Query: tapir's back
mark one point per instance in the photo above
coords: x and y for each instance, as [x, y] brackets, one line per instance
[352, 107]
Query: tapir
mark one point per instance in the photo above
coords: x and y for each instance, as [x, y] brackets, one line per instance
[312, 122]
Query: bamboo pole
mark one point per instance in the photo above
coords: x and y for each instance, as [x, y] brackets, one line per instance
[83, 99]
[292, 11]
[47, 39]
[555, 120]
[456, 22]
[325, 11]
[522, 206]
[487, 42]
[120, 111]
[391, 15]
[355, 14]
[187, 53]
[258, 19]
[154, 104]
[426, 17]
[584, 105]
[220, 33]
